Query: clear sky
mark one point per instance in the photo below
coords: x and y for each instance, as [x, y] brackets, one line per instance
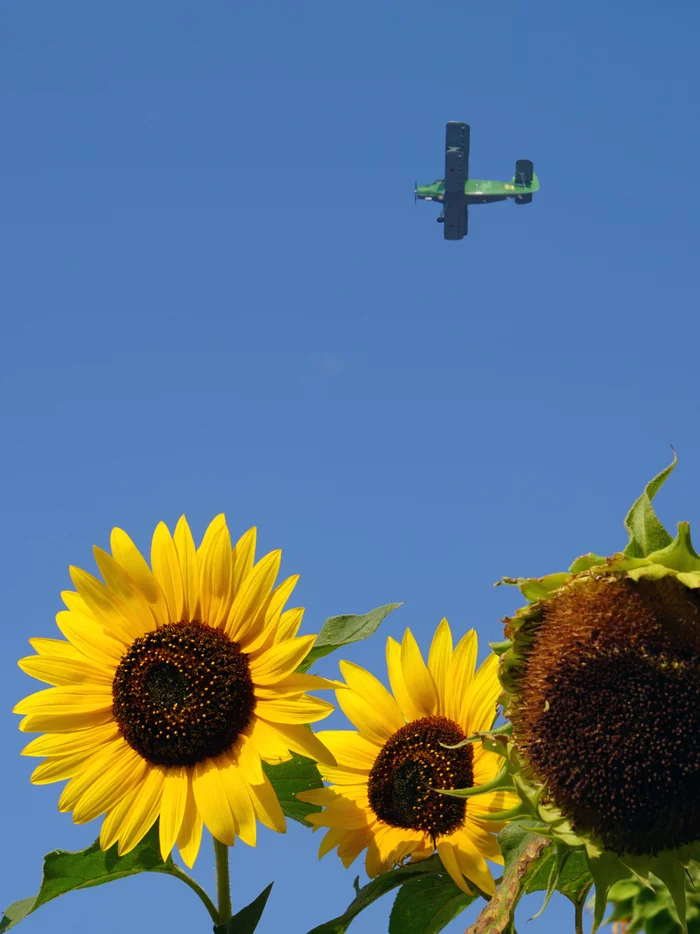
[218, 295]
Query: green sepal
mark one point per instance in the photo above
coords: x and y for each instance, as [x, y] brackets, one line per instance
[646, 533]
[606, 869]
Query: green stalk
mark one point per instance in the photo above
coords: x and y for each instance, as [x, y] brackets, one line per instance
[223, 881]
[579, 917]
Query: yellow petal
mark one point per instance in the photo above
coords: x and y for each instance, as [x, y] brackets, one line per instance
[62, 671]
[112, 824]
[460, 674]
[239, 800]
[373, 692]
[57, 770]
[254, 591]
[217, 524]
[404, 697]
[439, 660]
[349, 748]
[124, 592]
[187, 556]
[280, 661]
[172, 808]
[65, 744]
[144, 812]
[304, 709]
[243, 558]
[267, 742]
[416, 674]
[449, 861]
[301, 740]
[190, 836]
[296, 684]
[480, 704]
[130, 558]
[289, 624]
[341, 813]
[363, 716]
[67, 698]
[98, 764]
[90, 638]
[267, 806]
[56, 648]
[106, 610]
[166, 568]
[212, 801]
[65, 720]
[216, 576]
[471, 863]
[354, 842]
[248, 761]
[271, 613]
[125, 771]
[332, 838]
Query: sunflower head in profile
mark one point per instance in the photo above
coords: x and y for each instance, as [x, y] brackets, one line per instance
[601, 673]
[173, 685]
[382, 796]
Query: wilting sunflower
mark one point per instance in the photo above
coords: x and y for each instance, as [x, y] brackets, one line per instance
[174, 686]
[601, 672]
[381, 796]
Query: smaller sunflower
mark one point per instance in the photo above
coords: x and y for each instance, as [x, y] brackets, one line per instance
[381, 796]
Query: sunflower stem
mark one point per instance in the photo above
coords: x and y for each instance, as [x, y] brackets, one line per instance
[208, 903]
[579, 917]
[223, 881]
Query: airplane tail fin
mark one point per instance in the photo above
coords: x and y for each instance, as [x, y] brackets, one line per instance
[524, 173]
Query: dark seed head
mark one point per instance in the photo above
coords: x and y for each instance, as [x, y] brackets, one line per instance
[411, 763]
[609, 711]
[182, 693]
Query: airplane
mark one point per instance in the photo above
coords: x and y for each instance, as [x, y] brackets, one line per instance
[456, 191]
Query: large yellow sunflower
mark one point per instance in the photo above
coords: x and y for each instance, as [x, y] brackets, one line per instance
[174, 686]
[380, 796]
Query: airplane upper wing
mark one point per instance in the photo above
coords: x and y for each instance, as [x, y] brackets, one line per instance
[456, 156]
[456, 219]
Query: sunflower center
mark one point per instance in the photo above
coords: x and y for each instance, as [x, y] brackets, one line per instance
[182, 693]
[413, 762]
[610, 711]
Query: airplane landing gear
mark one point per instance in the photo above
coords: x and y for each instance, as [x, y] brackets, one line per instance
[441, 220]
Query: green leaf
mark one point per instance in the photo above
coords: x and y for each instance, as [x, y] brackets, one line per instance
[246, 921]
[574, 879]
[67, 872]
[426, 904]
[645, 531]
[375, 889]
[299, 774]
[342, 630]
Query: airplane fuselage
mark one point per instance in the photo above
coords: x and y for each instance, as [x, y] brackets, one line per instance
[476, 191]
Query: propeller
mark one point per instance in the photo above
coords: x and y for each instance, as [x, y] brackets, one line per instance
[415, 193]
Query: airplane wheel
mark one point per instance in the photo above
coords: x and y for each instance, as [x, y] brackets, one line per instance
[441, 220]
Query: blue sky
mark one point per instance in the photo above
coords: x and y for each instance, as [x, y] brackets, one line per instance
[218, 295]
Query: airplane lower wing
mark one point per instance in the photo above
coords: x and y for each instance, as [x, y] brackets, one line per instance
[456, 156]
[456, 218]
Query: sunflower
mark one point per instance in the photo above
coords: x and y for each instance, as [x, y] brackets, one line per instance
[174, 685]
[381, 796]
[601, 673]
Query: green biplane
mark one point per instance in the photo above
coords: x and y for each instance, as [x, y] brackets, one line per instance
[456, 191]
